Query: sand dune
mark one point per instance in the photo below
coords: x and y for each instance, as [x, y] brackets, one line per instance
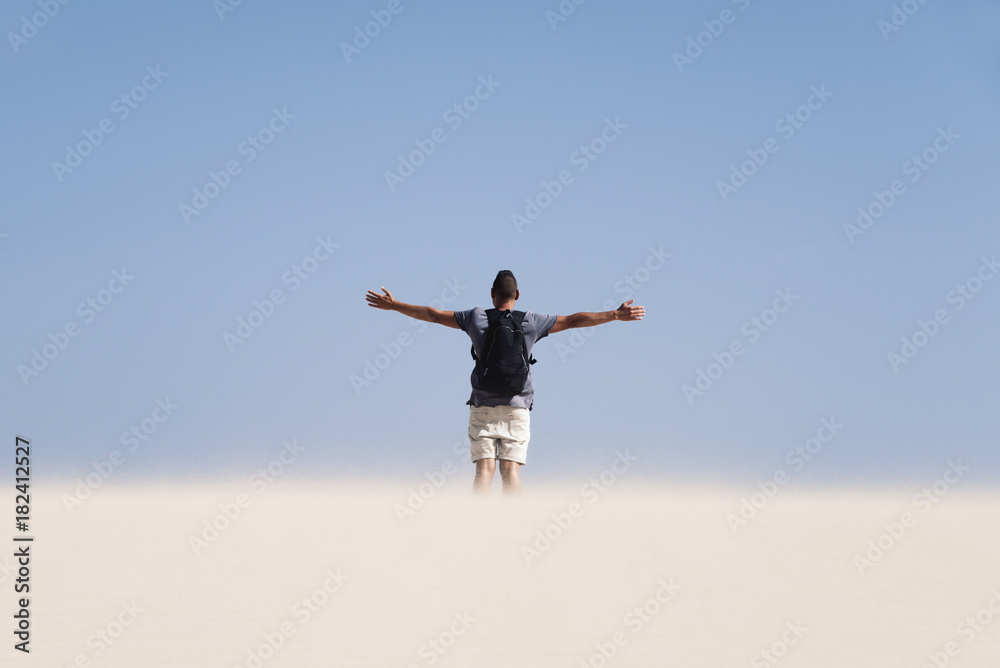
[349, 574]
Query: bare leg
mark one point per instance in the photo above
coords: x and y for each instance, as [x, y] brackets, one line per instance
[483, 481]
[510, 472]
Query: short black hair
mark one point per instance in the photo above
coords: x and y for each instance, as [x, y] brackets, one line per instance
[505, 285]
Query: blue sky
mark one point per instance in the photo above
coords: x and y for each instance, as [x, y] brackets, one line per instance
[327, 130]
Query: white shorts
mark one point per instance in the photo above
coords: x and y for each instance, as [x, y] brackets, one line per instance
[499, 432]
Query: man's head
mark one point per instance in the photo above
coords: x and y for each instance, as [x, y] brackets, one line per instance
[504, 291]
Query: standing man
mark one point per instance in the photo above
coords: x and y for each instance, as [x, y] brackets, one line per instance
[502, 391]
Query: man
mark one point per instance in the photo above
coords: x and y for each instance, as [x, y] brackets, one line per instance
[499, 420]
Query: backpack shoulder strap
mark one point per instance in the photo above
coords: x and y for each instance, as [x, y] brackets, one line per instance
[519, 319]
[492, 316]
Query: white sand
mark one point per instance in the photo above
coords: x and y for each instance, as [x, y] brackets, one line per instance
[456, 571]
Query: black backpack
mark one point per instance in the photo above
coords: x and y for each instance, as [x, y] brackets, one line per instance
[504, 367]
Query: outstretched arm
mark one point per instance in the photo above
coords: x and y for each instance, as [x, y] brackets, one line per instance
[426, 313]
[625, 312]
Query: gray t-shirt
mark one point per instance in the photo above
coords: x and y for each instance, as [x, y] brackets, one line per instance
[536, 326]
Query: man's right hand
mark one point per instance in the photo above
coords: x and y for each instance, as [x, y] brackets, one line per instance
[385, 301]
[627, 312]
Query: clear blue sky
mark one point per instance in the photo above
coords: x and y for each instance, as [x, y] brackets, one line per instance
[552, 90]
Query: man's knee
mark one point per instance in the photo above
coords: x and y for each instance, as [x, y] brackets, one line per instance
[507, 467]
